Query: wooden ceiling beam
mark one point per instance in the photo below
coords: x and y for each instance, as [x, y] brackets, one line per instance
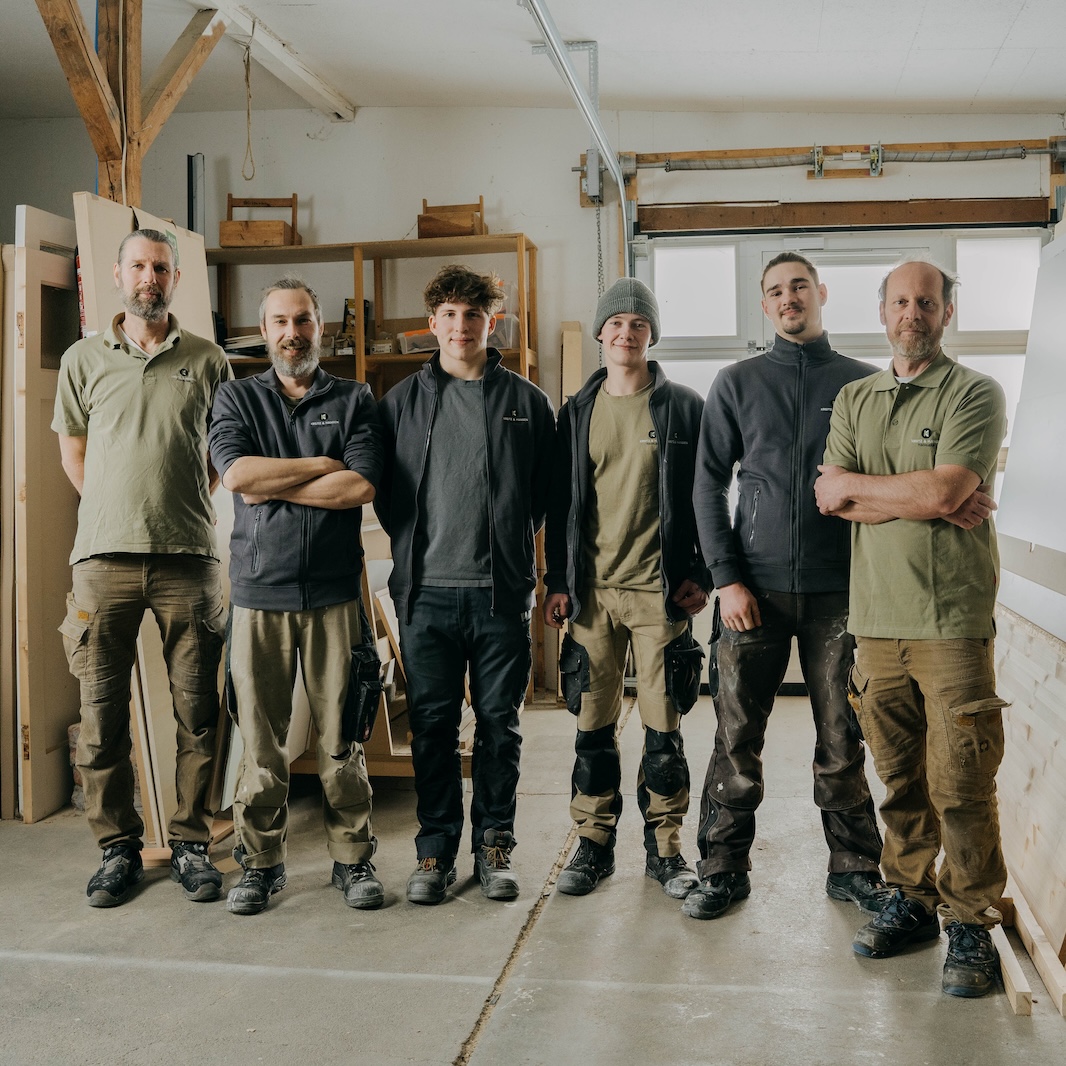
[180, 65]
[85, 75]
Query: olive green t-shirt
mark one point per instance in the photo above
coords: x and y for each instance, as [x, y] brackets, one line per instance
[621, 535]
[145, 423]
[921, 580]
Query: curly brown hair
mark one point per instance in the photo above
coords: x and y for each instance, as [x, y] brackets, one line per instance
[456, 284]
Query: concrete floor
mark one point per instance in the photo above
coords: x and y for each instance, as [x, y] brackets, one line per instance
[617, 977]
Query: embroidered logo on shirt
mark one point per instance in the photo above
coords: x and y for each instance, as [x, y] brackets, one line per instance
[182, 374]
[925, 440]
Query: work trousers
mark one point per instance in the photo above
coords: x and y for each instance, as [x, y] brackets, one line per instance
[751, 667]
[104, 612]
[264, 648]
[934, 723]
[612, 621]
[450, 631]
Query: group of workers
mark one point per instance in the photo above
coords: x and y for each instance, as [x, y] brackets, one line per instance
[862, 530]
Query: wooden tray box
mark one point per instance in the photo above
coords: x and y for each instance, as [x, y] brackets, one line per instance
[270, 233]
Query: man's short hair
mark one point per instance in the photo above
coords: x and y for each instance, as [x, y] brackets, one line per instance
[457, 284]
[949, 281]
[789, 257]
[290, 283]
[156, 236]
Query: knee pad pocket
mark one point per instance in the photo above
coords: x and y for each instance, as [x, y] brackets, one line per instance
[573, 672]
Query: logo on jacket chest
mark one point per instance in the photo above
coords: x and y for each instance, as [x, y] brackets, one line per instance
[514, 416]
[324, 420]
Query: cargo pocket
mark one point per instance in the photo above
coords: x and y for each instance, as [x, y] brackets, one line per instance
[573, 672]
[712, 649]
[857, 683]
[683, 662]
[977, 732]
[75, 629]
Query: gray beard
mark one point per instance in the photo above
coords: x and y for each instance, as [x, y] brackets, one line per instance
[149, 306]
[296, 365]
[917, 352]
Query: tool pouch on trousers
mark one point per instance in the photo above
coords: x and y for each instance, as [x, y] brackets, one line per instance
[364, 688]
[573, 672]
[683, 661]
[712, 649]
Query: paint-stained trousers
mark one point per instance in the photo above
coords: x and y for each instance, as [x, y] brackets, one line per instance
[934, 723]
[104, 612]
[611, 621]
[264, 647]
[751, 667]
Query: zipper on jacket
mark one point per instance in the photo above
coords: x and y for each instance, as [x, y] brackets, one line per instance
[255, 540]
[797, 474]
[490, 495]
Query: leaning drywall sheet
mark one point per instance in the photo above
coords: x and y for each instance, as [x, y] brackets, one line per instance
[46, 306]
[8, 656]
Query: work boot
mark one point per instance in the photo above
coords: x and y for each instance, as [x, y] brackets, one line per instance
[191, 867]
[713, 895]
[590, 864]
[430, 880]
[120, 869]
[673, 873]
[862, 887]
[972, 964]
[253, 891]
[492, 866]
[901, 922]
[360, 886]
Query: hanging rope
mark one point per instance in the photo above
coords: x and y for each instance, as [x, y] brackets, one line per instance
[249, 159]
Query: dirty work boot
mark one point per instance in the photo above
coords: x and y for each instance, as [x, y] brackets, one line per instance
[492, 865]
[194, 871]
[862, 887]
[253, 891]
[712, 897]
[673, 873]
[972, 964]
[901, 922]
[590, 864]
[359, 884]
[430, 880]
[120, 869]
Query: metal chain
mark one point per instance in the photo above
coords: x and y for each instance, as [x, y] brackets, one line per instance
[601, 285]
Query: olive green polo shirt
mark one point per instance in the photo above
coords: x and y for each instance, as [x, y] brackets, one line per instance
[921, 580]
[145, 420]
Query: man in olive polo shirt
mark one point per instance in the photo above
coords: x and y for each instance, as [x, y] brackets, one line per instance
[131, 412]
[910, 459]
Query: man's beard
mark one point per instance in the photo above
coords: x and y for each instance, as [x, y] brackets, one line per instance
[295, 362]
[919, 349]
[151, 306]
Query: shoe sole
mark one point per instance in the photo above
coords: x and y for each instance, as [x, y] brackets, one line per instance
[501, 892]
[741, 893]
[968, 991]
[363, 903]
[206, 893]
[236, 906]
[100, 898]
[425, 896]
[920, 935]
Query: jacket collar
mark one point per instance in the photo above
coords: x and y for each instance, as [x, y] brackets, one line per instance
[786, 351]
[432, 371]
[588, 391]
[322, 382]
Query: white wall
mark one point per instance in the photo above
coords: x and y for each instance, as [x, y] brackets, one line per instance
[365, 180]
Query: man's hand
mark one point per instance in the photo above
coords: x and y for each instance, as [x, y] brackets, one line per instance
[830, 489]
[556, 609]
[690, 597]
[738, 608]
[975, 509]
[252, 500]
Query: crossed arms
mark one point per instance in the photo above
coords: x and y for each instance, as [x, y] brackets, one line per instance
[313, 481]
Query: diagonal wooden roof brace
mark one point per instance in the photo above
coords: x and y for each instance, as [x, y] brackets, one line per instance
[282, 60]
[105, 80]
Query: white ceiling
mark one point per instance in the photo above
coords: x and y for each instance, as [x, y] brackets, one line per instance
[904, 56]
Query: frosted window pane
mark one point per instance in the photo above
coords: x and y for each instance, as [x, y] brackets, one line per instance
[696, 373]
[697, 291]
[998, 279]
[852, 306]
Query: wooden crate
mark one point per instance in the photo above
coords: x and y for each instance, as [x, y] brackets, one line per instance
[452, 220]
[246, 233]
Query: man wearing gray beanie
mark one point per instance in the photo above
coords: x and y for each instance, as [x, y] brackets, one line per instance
[624, 567]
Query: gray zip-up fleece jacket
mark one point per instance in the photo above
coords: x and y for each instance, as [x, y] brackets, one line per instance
[287, 556]
[770, 414]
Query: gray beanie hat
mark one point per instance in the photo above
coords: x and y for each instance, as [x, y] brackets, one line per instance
[630, 297]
